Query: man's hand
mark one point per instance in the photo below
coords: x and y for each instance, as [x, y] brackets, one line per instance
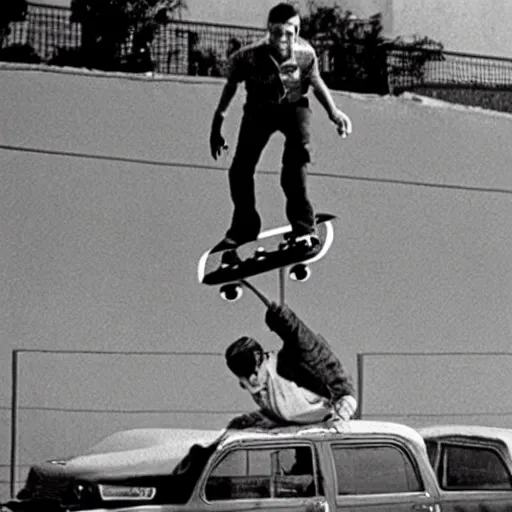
[274, 307]
[346, 407]
[217, 142]
[255, 419]
[342, 122]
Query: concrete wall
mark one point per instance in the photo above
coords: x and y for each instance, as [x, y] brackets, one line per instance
[470, 26]
[474, 26]
[108, 197]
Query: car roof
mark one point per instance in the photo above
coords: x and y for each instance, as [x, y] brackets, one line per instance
[473, 431]
[154, 451]
[337, 429]
[178, 440]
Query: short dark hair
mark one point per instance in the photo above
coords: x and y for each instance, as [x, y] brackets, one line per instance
[244, 356]
[282, 12]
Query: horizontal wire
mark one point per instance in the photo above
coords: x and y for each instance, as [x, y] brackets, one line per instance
[163, 163]
[123, 411]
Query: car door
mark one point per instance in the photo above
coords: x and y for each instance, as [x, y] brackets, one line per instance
[378, 476]
[266, 476]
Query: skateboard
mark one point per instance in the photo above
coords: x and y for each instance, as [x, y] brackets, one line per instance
[273, 249]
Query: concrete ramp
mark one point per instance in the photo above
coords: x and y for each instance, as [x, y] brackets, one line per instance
[108, 197]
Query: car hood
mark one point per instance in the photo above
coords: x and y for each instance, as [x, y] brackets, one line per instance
[131, 454]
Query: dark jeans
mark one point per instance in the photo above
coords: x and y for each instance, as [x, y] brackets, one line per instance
[257, 126]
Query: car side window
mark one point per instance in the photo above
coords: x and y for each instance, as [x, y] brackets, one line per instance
[374, 469]
[472, 467]
[431, 452]
[255, 473]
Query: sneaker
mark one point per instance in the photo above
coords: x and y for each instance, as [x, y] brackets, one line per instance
[225, 244]
[230, 259]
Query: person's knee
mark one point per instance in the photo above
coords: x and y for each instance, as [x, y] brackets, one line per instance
[293, 175]
[243, 164]
[293, 184]
[241, 173]
[296, 156]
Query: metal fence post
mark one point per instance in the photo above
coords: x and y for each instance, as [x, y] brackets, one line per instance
[360, 383]
[14, 421]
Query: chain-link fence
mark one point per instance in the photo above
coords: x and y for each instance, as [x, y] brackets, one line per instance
[414, 68]
[45, 29]
[187, 48]
[64, 401]
[179, 47]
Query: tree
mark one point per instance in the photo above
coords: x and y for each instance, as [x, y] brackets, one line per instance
[356, 57]
[12, 10]
[350, 49]
[109, 26]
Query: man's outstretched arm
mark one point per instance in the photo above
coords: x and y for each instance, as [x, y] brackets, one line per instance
[310, 351]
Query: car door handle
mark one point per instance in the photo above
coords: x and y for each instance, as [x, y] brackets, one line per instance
[424, 507]
[318, 505]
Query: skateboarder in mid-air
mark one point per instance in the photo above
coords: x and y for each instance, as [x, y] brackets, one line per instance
[302, 383]
[277, 72]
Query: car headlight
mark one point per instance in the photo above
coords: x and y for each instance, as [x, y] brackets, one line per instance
[125, 492]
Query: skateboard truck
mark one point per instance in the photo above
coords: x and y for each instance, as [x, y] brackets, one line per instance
[278, 248]
[233, 291]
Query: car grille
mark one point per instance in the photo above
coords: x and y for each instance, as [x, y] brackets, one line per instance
[46, 483]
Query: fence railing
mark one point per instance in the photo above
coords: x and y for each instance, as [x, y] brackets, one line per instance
[119, 396]
[410, 68]
[179, 47]
[45, 29]
[190, 48]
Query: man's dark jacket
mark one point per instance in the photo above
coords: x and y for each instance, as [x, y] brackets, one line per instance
[306, 358]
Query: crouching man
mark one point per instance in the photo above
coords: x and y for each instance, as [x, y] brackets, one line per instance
[304, 382]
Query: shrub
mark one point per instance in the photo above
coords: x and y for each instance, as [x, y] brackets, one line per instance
[356, 57]
[350, 50]
[202, 61]
[19, 53]
[11, 10]
[117, 34]
[72, 57]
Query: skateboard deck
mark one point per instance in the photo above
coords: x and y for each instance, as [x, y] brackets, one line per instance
[272, 250]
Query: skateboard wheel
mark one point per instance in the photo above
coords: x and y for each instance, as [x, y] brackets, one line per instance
[231, 292]
[300, 272]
